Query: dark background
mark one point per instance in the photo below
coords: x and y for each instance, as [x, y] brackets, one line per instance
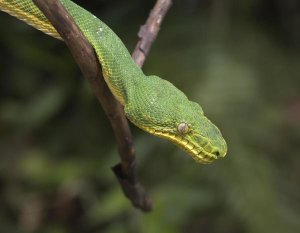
[239, 59]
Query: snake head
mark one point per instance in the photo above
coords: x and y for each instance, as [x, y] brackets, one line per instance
[163, 110]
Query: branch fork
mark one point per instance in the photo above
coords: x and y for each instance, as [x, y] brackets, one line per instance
[86, 59]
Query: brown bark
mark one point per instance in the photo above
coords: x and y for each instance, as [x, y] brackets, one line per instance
[148, 32]
[86, 59]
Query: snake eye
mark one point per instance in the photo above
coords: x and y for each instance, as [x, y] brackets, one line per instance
[183, 128]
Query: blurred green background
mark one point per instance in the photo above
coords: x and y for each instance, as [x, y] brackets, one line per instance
[239, 59]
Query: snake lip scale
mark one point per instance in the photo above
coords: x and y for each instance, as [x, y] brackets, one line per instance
[198, 153]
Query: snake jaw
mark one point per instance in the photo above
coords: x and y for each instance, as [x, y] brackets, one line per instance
[198, 153]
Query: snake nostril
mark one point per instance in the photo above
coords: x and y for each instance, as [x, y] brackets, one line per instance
[217, 153]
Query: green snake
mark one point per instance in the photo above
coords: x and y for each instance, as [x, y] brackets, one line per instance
[151, 103]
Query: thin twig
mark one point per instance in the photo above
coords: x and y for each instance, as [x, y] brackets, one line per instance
[148, 32]
[86, 59]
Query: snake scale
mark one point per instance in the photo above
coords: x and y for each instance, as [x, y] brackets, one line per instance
[151, 103]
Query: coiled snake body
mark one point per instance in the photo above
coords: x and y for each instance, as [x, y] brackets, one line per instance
[151, 103]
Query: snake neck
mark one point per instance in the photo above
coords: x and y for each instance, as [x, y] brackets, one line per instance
[119, 70]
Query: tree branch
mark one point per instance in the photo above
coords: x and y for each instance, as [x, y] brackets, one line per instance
[148, 32]
[86, 59]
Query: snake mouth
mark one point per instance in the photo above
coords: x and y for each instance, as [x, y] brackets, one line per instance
[198, 153]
